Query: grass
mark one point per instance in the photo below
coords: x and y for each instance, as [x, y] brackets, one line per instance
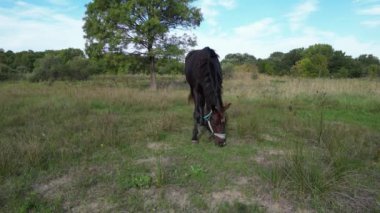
[111, 144]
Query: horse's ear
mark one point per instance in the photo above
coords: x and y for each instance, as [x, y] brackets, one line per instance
[225, 107]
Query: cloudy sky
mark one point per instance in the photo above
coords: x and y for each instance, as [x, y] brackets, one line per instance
[257, 27]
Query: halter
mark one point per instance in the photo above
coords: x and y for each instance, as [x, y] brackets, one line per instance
[207, 118]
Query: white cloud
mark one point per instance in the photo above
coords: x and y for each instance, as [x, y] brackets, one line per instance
[301, 12]
[254, 38]
[264, 27]
[365, 1]
[265, 36]
[210, 9]
[27, 26]
[228, 4]
[59, 2]
[374, 10]
[371, 23]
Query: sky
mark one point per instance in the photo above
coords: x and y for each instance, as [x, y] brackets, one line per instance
[256, 27]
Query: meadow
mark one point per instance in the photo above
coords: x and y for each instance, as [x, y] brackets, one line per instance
[110, 144]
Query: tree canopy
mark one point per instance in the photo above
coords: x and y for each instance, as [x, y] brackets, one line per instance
[139, 26]
[319, 60]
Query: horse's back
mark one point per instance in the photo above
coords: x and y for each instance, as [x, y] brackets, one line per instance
[195, 62]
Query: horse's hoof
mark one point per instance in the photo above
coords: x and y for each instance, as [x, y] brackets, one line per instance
[194, 141]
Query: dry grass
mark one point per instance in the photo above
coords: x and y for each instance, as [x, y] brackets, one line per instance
[244, 86]
[117, 134]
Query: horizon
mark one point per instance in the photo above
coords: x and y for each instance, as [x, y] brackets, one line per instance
[258, 28]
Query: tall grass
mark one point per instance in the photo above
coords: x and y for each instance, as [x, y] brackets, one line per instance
[112, 142]
[330, 163]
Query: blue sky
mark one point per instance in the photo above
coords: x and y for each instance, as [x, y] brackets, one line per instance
[257, 27]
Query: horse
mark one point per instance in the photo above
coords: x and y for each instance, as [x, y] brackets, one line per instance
[204, 76]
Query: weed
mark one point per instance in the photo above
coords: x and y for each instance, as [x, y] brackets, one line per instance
[196, 170]
[161, 176]
[34, 203]
[238, 207]
[140, 181]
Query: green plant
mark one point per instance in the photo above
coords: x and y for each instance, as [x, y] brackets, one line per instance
[140, 181]
[197, 170]
[161, 176]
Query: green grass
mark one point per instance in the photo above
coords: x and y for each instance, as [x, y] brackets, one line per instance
[110, 144]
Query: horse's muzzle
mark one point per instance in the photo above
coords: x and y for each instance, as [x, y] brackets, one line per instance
[221, 143]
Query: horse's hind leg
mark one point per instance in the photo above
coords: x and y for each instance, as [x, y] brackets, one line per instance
[197, 117]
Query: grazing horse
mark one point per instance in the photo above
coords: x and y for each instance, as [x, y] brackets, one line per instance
[204, 75]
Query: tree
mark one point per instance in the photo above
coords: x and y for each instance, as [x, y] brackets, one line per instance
[144, 26]
[322, 49]
[239, 59]
[368, 59]
[314, 66]
[291, 58]
[70, 54]
[48, 68]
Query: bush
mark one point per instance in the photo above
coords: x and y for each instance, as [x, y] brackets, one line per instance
[251, 68]
[48, 68]
[7, 73]
[227, 69]
[170, 66]
[373, 71]
[80, 69]
[52, 67]
[4, 72]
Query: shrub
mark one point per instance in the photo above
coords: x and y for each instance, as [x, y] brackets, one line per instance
[80, 69]
[47, 68]
[170, 66]
[227, 69]
[5, 72]
[52, 67]
[373, 70]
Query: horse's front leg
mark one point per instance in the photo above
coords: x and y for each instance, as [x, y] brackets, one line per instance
[196, 131]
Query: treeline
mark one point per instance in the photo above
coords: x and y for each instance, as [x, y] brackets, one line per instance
[72, 64]
[50, 65]
[319, 60]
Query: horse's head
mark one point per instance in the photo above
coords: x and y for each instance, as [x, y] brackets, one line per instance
[216, 123]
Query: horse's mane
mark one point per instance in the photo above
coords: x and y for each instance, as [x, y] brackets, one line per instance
[212, 77]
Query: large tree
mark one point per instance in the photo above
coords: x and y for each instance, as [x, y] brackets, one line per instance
[139, 26]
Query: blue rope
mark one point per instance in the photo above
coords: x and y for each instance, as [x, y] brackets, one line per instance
[207, 117]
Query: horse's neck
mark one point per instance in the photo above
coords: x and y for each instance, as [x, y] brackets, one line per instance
[218, 105]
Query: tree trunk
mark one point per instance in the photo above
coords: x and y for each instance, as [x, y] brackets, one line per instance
[153, 83]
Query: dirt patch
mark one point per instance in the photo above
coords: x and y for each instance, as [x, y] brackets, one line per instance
[153, 160]
[54, 187]
[94, 201]
[158, 146]
[77, 181]
[265, 200]
[268, 137]
[245, 181]
[94, 206]
[272, 205]
[229, 196]
[178, 196]
[265, 157]
[242, 181]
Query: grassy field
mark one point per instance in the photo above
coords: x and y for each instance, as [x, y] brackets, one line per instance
[111, 144]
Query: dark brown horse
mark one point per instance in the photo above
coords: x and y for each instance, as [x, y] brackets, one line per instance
[204, 75]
